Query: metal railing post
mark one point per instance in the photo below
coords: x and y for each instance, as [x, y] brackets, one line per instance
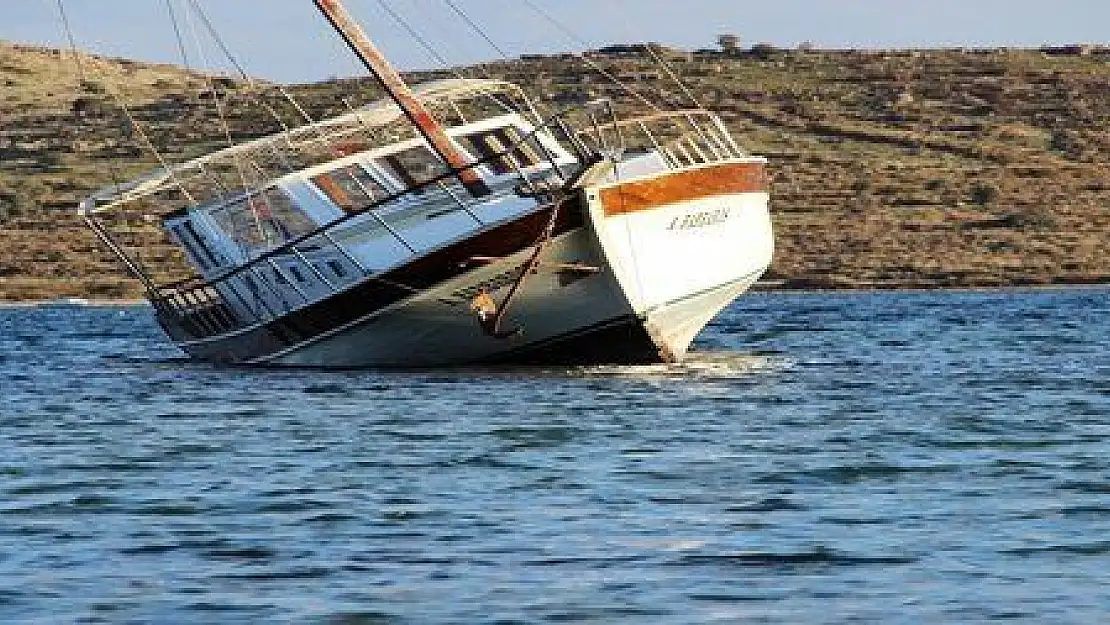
[239, 296]
[293, 283]
[342, 250]
[447, 189]
[256, 292]
[319, 275]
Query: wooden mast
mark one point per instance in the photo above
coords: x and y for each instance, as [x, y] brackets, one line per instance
[412, 107]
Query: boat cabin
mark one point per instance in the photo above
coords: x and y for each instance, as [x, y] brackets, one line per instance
[389, 204]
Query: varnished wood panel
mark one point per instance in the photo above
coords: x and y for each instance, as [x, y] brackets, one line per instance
[684, 186]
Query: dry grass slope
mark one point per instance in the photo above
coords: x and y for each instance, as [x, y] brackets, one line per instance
[914, 169]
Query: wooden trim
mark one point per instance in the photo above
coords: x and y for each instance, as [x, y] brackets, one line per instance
[683, 186]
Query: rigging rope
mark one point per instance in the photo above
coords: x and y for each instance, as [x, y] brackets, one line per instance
[226, 127]
[478, 29]
[72, 40]
[64, 20]
[134, 265]
[446, 65]
[243, 72]
[301, 111]
[177, 34]
[412, 32]
[115, 92]
[596, 67]
[254, 92]
[674, 76]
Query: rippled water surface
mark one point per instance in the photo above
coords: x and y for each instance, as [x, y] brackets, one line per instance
[823, 458]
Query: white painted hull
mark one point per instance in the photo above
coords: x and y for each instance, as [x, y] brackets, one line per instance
[681, 263]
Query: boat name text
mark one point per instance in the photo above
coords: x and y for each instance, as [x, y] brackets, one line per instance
[702, 219]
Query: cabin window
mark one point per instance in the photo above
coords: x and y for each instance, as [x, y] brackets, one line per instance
[275, 206]
[350, 188]
[337, 269]
[414, 166]
[264, 220]
[293, 269]
[196, 246]
[190, 247]
[503, 150]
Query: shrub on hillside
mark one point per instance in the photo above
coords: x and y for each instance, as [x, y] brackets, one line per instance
[984, 193]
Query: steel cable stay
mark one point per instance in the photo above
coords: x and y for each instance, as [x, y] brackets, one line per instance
[578, 41]
[478, 29]
[255, 91]
[426, 44]
[250, 189]
[479, 69]
[214, 33]
[431, 50]
[225, 127]
[533, 106]
[115, 91]
[666, 67]
[177, 34]
[502, 53]
[113, 161]
[64, 16]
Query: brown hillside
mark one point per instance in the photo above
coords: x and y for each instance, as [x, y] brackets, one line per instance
[892, 169]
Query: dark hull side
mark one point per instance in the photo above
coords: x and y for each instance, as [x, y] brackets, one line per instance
[619, 342]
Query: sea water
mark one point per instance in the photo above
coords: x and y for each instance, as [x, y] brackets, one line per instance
[822, 458]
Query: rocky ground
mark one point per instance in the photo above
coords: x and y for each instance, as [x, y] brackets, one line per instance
[904, 169]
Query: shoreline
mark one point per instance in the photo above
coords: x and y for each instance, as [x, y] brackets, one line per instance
[758, 289]
[1017, 288]
[770, 288]
[63, 303]
[892, 171]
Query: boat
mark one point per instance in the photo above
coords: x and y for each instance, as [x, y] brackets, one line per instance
[453, 223]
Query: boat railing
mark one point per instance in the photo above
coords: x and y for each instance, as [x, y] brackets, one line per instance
[296, 273]
[285, 278]
[683, 138]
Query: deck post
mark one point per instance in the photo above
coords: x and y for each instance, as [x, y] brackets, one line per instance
[411, 105]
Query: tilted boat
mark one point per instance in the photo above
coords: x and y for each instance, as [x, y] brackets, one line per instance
[451, 224]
